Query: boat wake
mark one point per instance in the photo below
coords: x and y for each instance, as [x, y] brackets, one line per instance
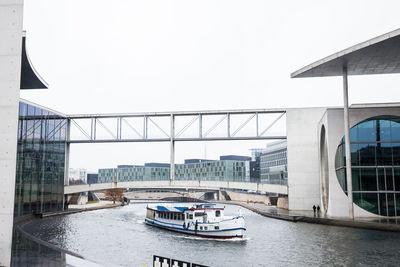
[235, 239]
[140, 221]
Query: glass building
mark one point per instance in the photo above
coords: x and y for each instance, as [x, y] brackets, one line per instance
[273, 164]
[39, 186]
[218, 170]
[375, 163]
[133, 173]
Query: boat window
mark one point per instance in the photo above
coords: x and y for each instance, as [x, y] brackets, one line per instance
[201, 227]
[198, 214]
[216, 227]
[191, 216]
[217, 213]
[205, 228]
[174, 216]
[187, 215]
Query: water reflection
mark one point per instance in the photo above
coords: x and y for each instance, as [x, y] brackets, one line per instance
[29, 252]
[119, 237]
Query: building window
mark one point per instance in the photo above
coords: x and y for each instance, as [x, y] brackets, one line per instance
[375, 157]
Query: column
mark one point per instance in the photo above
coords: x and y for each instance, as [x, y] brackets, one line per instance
[347, 143]
[172, 149]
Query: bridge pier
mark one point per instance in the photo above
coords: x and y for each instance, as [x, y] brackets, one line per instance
[172, 149]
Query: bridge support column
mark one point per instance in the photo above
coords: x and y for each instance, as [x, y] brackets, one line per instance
[67, 152]
[172, 149]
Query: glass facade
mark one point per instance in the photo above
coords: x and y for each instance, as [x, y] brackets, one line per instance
[273, 164]
[133, 173]
[39, 184]
[375, 164]
[219, 170]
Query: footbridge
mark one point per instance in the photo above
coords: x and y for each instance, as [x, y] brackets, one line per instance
[187, 126]
[178, 185]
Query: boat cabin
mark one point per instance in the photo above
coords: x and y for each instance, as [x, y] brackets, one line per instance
[201, 213]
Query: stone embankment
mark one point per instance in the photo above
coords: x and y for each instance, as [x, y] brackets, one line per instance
[84, 207]
[309, 217]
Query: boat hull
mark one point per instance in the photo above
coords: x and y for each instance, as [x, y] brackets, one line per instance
[229, 233]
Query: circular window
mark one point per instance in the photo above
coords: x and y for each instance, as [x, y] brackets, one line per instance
[375, 165]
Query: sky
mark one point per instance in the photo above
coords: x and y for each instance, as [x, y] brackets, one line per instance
[103, 56]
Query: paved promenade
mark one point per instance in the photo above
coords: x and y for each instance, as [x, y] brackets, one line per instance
[86, 207]
[392, 225]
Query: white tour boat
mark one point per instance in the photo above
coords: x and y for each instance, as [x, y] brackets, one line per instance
[203, 220]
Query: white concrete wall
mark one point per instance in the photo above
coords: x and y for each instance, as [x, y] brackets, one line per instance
[235, 196]
[333, 121]
[11, 13]
[302, 157]
[282, 203]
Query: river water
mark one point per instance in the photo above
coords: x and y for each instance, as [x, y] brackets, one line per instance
[118, 237]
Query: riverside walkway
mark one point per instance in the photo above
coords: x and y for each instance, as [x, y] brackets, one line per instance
[84, 207]
[392, 225]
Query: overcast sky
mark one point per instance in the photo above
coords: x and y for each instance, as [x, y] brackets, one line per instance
[102, 56]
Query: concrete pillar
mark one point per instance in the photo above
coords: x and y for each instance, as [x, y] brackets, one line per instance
[172, 149]
[10, 71]
[347, 143]
[67, 153]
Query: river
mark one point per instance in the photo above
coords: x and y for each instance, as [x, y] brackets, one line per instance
[118, 237]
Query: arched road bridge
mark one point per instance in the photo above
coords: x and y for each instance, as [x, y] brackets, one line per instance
[178, 185]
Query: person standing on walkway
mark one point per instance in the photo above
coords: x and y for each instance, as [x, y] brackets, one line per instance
[318, 209]
[314, 208]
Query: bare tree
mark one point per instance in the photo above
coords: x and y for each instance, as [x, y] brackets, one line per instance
[114, 194]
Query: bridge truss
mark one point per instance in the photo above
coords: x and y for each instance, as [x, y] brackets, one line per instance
[255, 124]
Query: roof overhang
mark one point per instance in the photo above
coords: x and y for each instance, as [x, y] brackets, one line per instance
[380, 55]
[30, 79]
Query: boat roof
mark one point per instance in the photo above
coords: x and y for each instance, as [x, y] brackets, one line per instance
[181, 208]
[171, 208]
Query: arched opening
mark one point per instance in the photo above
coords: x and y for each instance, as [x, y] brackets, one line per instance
[324, 170]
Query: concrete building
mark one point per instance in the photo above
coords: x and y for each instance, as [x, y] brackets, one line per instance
[347, 159]
[273, 164]
[148, 172]
[218, 170]
[317, 160]
[193, 169]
